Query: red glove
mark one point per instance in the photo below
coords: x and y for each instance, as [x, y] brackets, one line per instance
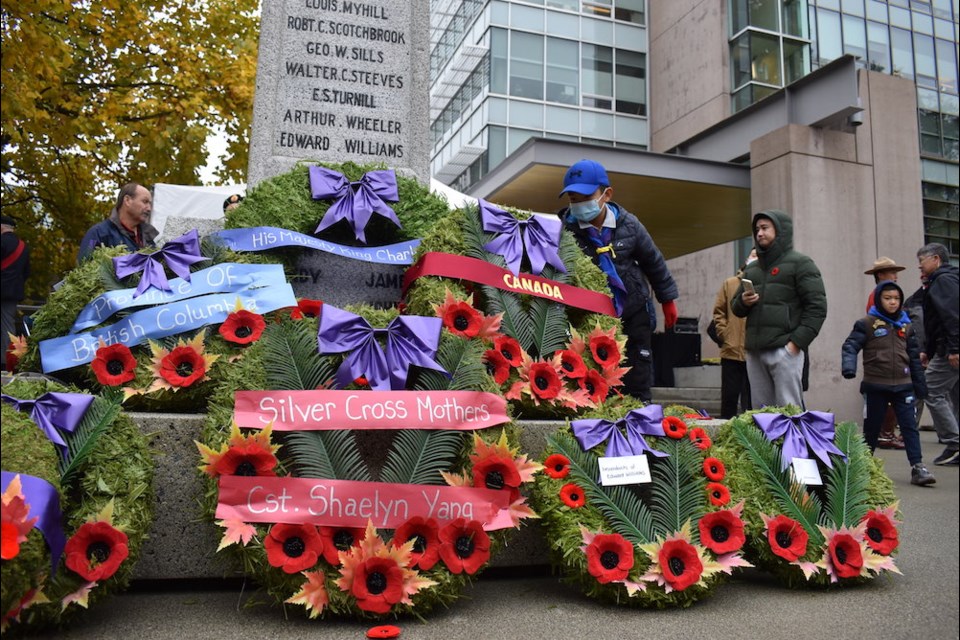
[669, 313]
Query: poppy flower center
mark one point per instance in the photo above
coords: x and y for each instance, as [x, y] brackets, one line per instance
[717, 495]
[184, 369]
[243, 331]
[294, 546]
[115, 367]
[874, 534]
[245, 468]
[590, 388]
[559, 467]
[574, 496]
[506, 353]
[714, 469]
[567, 365]
[491, 368]
[609, 559]
[98, 551]
[494, 480]
[343, 539]
[376, 583]
[719, 533]
[602, 352]
[464, 546]
[783, 539]
[461, 323]
[841, 555]
[676, 566]
[419, 542]
[542, 383]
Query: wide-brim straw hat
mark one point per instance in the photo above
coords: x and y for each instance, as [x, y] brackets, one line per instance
[883, 263]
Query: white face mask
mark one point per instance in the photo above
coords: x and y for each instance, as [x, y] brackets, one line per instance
[585, 211]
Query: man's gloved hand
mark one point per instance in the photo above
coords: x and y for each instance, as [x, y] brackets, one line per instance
[669, 313]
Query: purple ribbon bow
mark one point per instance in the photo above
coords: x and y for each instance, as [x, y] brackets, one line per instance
[44, 503]
[356, 201]
[540, 235]
[179, 254]
[811, 428]
[54, 412]
[637, 423]
[411, 340]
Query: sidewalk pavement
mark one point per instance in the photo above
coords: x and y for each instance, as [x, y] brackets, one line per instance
[922, 603]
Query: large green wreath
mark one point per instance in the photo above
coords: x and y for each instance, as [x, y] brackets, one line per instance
[107, 477]
[844, 532]
[286, 358]
[657, 545]
[545, 331]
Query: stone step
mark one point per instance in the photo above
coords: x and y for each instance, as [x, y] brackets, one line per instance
[701, 398]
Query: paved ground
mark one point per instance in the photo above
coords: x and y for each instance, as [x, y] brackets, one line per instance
[921, 604]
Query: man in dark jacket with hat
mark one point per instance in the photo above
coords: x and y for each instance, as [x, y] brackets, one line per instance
[13, 277]
[941, 354]
[784, 312]
[621, 246]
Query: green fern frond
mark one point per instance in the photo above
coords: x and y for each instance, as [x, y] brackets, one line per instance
[623, 509]
[108, 276]
[290, 357]
[549, 326]
[418, 456]
[848, 482]
[516, 322]
[83, 441]
[474, 237]
[678, 492]
[802, 506]
[461, 359]
[327, 454]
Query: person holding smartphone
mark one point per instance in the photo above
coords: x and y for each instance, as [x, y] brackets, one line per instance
[783, 299]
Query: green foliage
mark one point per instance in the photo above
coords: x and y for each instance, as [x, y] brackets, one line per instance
[83, 441]
[848, 485]
[418, 456]
[288, 357]
[515, 322]
[327, 454]
[550, 326]
[677, 494]
[461, 359]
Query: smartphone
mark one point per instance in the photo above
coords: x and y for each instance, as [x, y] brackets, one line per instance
[747, 286]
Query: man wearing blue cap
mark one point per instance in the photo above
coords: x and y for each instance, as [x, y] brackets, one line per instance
[621, 246]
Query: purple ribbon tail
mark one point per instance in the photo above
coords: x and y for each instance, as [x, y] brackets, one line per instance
[178, 254]
[44, 503]
[356, 201]
[55, 412]
[645, 421]
[542, 240]
[809, 431]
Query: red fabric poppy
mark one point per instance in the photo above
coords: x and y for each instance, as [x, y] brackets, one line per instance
[309, 308]
[722, 532]
[557, 466]
[609, 557]
[572, 495]
[463, 320]
[377, 584]
[699, 437]
[293, 547]
[247, 459]
[464, 546]
[605, 351]
[361, 382]
[774, 271]
[510, 349]
[497, 365]
[719, 495]
[242, 327]
[183, 366]
[846, 556]
[680, 564]
[882, 536]
[96, 551]
[426, 536]
[384, 631]
[544, 381]
[571, 363]
[714, 469]
[595, 385]
[674, 427]
[12, 359]
[497, 472]
[9, 545]
[337, 539]
[114, 365]
[787, 538]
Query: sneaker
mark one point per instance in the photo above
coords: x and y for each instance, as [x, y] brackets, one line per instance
[950, 455]
[920, 476]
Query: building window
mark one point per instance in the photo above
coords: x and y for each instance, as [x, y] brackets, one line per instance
[941, 217]
[629, 11]
[597, 66]
[563, 71]
[631, 83]
[526, 65]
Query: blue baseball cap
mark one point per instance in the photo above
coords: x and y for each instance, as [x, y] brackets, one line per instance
[585, 177]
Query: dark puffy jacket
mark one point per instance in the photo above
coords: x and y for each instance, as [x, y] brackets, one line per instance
[941, 315]
[110, 233]
[13, 278]
[793, 303]
[637, 259]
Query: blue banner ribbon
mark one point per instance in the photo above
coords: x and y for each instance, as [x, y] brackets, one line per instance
[44, 503]
[264, 238]
[221, 278]
[160, 322]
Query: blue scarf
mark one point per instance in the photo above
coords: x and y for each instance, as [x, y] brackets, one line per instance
[602, 239]
[898, 322]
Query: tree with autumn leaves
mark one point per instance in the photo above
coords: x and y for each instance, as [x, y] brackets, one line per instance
[97, 94]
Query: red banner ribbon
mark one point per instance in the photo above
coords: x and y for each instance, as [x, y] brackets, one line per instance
[448, 265]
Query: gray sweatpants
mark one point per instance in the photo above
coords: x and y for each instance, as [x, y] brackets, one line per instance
[942, 385]
[776, 377]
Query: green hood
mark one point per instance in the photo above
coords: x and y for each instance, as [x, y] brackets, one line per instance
[784, 240]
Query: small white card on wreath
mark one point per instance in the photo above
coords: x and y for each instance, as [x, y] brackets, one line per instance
[805, 471]
[624, 470]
